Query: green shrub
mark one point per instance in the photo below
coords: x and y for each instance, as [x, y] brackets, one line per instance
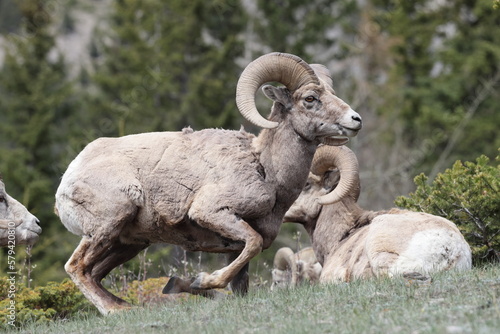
[469, 195]
[41, 304]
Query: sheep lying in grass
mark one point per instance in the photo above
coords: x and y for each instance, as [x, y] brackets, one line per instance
[290, 269]
[17, 225]
[354, 243]
[211, 190]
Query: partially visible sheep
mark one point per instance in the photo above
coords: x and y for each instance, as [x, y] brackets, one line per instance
[17, 225]
[354, 243]
[290, 269]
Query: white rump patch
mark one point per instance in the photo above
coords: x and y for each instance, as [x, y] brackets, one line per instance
[433, 250]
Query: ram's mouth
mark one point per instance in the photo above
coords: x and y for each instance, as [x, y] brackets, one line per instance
[339, 135]
[350, 132]
[37, 231]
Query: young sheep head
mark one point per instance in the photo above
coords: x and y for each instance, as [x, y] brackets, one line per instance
[14, 216]
[291, 269]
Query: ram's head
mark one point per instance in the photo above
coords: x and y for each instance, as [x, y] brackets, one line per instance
[334, 175]
[307, 99]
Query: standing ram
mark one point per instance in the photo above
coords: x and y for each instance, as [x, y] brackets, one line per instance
[354, 243]
[17, 225]
[211, 190]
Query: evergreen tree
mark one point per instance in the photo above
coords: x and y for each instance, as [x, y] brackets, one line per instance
[10, 16]
[309, 29]
[447, 70]
[168, 65]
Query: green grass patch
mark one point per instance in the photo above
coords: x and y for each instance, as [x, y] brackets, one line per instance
[454, 302]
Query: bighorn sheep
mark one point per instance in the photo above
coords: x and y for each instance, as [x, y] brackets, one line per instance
[212, 190]
[290, 269]
[17, 225]
[354, 243]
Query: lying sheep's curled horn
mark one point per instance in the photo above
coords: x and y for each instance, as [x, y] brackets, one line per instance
[345, 160]
[285, 260]
[284, 68]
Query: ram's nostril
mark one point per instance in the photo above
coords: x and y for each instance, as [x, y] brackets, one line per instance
[356, 118]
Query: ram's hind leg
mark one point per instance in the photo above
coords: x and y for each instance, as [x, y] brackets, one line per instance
[79, 268]
[91, 261]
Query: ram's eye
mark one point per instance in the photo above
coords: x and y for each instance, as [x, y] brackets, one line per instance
[310, 99]
[2, 199]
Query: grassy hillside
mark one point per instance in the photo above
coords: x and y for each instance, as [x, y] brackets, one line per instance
[452, 303]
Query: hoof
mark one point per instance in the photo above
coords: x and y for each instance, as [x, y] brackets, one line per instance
[205, 281]
[171, 285]
[198, 282]
[177, 285]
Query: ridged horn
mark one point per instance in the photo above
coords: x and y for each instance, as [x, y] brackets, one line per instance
[345, 160]
[284, 260]
[287, 69]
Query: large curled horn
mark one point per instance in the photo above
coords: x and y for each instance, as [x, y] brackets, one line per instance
[285, 260]
[284, 68]
[345, 160]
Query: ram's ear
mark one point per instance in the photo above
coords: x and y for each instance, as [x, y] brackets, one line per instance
[278, 94]
[331, 179]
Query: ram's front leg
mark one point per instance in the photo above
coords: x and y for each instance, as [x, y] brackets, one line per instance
[237, 230]
[217, 209]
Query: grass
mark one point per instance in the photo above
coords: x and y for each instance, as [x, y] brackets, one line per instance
[466, 302]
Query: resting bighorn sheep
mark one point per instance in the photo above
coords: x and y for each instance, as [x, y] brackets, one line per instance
[290, 269]
[17, 225]
[354, 243]
[212, 190]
